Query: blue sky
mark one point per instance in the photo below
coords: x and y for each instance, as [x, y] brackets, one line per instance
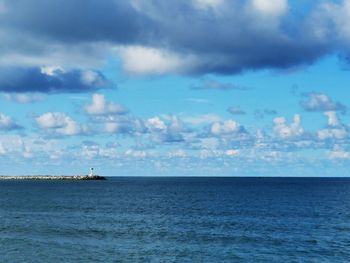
[178, 88]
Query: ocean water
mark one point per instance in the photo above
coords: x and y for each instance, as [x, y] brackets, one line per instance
[126, 219]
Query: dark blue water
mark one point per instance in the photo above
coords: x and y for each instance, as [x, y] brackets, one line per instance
[176, 220]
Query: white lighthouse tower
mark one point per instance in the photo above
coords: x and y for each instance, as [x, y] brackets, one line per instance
[91, 172]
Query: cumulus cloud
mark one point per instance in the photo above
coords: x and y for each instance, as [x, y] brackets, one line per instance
[332, 118]
[8, 124]
[122, 124]
[169, 130]
[321, 102]
[99, 106]
[334, 130]
[228, 127]
[332, 133]
[284, 131]
[42, 80]
[60, 124]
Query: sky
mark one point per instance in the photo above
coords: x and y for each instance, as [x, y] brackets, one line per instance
[175, 88]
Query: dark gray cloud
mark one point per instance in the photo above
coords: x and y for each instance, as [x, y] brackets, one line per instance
[34, 79]
[77, 20]
[319, 102]
[225, 39]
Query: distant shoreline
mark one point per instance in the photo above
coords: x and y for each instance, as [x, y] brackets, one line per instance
[53, 177]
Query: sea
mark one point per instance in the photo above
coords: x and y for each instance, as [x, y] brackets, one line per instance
[176, 219]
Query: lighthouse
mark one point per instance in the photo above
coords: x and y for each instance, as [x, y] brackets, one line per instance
[91, 172]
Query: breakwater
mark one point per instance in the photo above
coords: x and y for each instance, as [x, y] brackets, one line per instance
[53, 177]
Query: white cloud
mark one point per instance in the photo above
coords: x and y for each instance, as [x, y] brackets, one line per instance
[117, 126]
[226, 128]
[210, 143]
[339, 154]
[24, 97]
[332, 118]
[99, 106]
[135, 153]
[232, 152]
[201, 119]
[156, 123]
[271, 7]
[7, 123]
[168, 129]
[141, 60]
[321, 102]
[178, 154]
[283, 130]
[332, 133]
[335, 129]
[31, 146]
[59, 123]
[2, 149]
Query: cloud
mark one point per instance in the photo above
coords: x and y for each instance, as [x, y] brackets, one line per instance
[145, 60]
[120, 125]
[320, 102]
[271, 7]
[135, 153]
[41, 80]
[169, 131]
[232, 152]
[201, 119]
[236, 110]
[23, 98]
[58, 123]
[332, 118]
[8, 124]
[334, 130]
[284, 131]
[2, 149]
[332, 133]
[260, 114]
[208, 4]
[339, 154]
[99, 106]
[224, 37]
[228, 127]
[209, 84]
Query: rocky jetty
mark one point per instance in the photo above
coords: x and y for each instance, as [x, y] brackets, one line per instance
[53, 177]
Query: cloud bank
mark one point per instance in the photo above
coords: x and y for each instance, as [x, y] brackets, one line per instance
[159, 37]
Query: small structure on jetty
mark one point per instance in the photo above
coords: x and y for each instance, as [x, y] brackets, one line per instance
[91, 171]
